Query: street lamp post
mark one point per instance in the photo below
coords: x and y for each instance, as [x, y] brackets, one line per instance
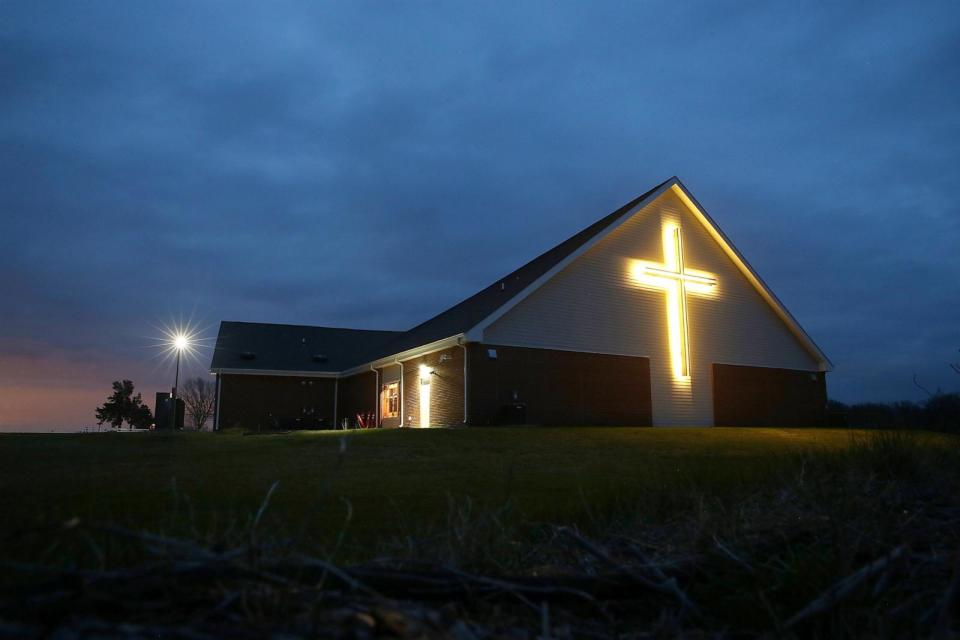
[179, 343]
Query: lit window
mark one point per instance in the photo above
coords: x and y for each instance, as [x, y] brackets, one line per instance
[390, 400]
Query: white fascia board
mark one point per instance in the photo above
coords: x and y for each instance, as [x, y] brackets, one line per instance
[276, 372]
[437, 345]
[422, 350]
[475, 333]
[751, 275]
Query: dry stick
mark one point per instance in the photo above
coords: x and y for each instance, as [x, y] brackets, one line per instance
[667, 585]
[839, 590]
[544, 620]
[329, 567]
[951, 599]
[512, 589]
[150, 539]
[261, 510]
[730, 554]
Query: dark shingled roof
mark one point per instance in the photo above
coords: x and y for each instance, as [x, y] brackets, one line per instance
[468, 313]
[278, 347]
[290, 347]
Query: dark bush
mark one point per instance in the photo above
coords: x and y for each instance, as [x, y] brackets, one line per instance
[941, 413]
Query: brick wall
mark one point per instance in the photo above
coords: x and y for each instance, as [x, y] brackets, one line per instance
[356, 395]
[256, 402]
[446, 388]
[766, 397]
[557, 387]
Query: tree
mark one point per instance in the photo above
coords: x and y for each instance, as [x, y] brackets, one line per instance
[199, 398]
[140, 416]
[122, 406]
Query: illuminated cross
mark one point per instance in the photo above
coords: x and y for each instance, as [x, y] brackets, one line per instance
[673, 277]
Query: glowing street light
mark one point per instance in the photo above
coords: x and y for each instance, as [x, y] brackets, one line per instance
[179, 341]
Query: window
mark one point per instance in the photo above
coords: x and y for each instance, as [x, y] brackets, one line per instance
[390, 400]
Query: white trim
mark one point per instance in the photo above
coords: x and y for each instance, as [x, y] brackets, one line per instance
[752, 276]
[567, 349]
[403, 392]
[465, 396]
[277, 372]
[403, 356]
[476, 333]
[376, 397]
[216, 414]
[765, 366]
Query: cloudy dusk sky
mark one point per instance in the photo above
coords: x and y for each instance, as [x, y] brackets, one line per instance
[370, 164]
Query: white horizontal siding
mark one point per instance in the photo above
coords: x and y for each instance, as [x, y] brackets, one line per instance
[594, 305]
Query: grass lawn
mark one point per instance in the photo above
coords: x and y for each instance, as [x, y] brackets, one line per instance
[756, 526]
[395, 482]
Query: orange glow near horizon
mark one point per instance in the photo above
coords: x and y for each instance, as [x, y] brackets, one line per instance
[673, 277]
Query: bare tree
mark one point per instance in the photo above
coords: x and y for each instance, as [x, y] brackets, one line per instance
[199, 398]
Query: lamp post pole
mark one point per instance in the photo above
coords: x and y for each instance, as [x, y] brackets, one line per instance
[179, 343]
[173, 400]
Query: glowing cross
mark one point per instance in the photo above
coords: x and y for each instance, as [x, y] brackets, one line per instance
[673, 277]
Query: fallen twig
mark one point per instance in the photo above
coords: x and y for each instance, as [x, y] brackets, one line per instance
[839, 590]
[666, 585]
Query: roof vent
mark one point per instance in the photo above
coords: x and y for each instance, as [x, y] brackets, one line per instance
[319, 357]
[248, 355]
[503, 285]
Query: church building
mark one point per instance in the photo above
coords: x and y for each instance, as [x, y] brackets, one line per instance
[649, 316]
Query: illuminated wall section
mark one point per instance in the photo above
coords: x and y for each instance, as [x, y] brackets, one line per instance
[425, 374]
[677, 281]
[659, 286]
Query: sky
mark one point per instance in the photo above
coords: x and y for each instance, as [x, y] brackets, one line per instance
[370, 164]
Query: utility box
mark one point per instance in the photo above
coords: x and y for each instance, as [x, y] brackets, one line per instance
[165, 414]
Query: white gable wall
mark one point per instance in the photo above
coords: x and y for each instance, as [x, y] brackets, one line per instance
[594, 305]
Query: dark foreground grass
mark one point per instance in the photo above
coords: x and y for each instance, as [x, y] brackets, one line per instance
[395, 482]
[576, 532]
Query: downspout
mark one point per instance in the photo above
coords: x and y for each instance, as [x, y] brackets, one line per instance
[376, 397]
[336, 393]
[464, 347]
[216, 412]
[403, 391]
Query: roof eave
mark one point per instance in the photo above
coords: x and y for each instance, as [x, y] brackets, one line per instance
[475, 333]
[752, 276]
[408, 354]
[273, 372]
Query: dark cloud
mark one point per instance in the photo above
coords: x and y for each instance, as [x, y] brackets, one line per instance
[370, 164]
